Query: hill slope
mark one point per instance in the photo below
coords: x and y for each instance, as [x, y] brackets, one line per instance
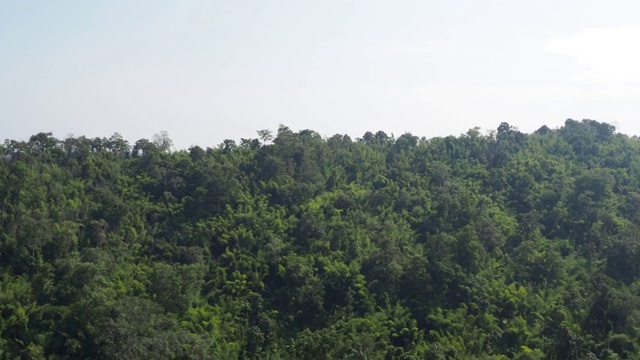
[498, 246]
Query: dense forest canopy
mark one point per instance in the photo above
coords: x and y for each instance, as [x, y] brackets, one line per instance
[294, 246]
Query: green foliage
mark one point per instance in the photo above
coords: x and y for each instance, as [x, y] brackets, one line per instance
[292, 246]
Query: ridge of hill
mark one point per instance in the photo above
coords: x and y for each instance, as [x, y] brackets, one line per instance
[295, 246]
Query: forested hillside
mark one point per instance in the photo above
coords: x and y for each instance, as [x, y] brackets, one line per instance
[295, 246]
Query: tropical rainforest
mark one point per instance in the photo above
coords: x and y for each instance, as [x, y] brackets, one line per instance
[504, 245]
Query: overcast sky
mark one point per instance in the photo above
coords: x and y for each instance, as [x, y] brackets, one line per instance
[206, 71]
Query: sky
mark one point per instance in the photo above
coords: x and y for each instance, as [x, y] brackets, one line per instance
[206, 71]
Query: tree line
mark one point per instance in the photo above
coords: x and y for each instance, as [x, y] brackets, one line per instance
[503, 245]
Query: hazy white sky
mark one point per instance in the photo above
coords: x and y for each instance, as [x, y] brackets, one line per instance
[210, 70]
